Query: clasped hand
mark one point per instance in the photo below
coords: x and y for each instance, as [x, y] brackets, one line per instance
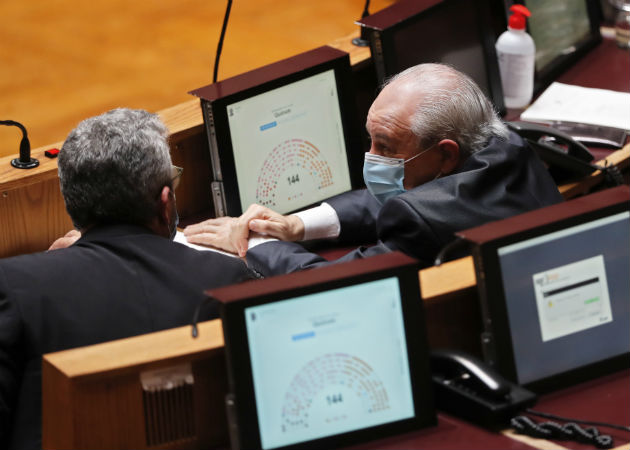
[232, 233]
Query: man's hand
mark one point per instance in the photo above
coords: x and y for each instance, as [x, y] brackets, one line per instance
[214, 233]
[267, 222]
[66, 241]
[231, 234]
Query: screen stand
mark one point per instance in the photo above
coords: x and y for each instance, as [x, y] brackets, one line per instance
[230, 408]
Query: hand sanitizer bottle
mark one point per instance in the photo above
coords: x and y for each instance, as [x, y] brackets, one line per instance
[516, 51]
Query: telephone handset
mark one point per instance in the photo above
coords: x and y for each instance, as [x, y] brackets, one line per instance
[565, 157]
[467, 387]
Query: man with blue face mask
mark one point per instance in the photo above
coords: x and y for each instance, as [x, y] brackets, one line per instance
[440, 161]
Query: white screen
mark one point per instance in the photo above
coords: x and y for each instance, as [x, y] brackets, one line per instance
[329, 363]
[572, 298]
[288, 143]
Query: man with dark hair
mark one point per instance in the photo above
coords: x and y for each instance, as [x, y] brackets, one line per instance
[124, 276]
[440, 161]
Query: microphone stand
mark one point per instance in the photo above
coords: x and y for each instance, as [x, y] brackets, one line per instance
[363, 40]
[24, 161]
[221, 37]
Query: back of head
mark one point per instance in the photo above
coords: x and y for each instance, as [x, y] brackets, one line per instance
[112, 168]
[451, 106]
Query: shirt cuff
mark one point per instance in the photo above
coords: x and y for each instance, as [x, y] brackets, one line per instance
[320, 222]
[257, 239]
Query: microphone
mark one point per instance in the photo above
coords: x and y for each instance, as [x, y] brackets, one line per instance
[221, 37]
[363, 40]
[24, 161]
[195, 320]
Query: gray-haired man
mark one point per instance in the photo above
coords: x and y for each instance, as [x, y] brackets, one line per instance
[123, 277]
[440, 161]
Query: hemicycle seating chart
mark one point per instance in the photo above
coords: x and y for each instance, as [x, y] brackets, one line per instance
[292, 168]
[332, 382]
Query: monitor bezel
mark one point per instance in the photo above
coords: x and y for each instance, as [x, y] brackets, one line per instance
[218, 96]
[498, 348]
[234, 303]
[407, 13]
[544, 76]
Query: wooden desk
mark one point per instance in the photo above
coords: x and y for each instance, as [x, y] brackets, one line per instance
[92, 397]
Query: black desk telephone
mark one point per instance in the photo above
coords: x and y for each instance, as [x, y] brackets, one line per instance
[468, 388]
[565, 157]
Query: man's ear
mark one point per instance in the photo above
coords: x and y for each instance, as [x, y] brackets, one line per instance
[450, 155]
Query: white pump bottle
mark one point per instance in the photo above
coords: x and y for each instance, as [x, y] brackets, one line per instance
[516, 52]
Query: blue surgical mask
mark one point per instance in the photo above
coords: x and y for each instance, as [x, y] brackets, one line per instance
[384, 176]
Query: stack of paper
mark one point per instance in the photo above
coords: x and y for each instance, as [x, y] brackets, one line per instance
[567, 103]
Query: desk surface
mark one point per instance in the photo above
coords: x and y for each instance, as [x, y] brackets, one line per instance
[606, 399]
[449, 434]
[605, 67]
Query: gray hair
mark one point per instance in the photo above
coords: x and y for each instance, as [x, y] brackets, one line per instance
[112, 168]
[452, 107]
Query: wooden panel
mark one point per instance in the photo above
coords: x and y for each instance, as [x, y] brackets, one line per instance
[451, 302]
[183, 119]
[620, 158]
[454, 321]
[116, 357]
[109, 414]
[32, 217]
[57, 408]
[190, 151]
[92, 396]
[451, 276]
[211, 386]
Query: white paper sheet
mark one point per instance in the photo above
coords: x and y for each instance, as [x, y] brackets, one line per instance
[565, 102]
[181, 238]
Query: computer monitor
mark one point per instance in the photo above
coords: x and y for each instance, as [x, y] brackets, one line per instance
[563, 30]
[554, 288]
[460, 33]
[327, 357]
[283, 135]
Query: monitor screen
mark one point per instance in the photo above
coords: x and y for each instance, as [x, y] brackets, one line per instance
[288, 144]
[283, 136]
[568, 290]
[554, 290]
[460, 33]
[329, 362]
[329, 356]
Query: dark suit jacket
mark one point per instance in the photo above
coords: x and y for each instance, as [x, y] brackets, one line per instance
[116, 281]
[501, 180]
